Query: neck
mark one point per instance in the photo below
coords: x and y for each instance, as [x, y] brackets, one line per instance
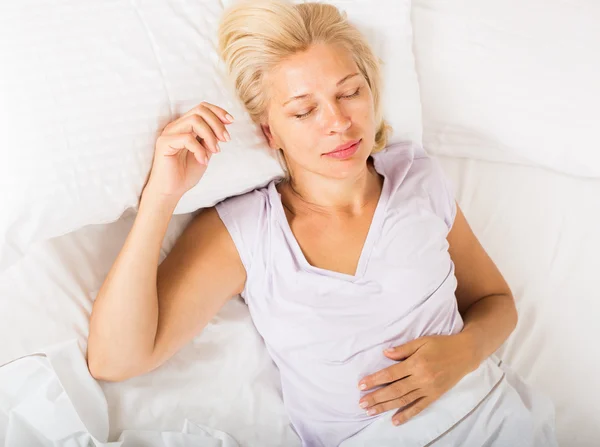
[347, 196]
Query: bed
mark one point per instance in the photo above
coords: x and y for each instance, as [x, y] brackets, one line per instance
[519, 145]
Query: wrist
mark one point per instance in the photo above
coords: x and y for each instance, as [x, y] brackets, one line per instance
[473, 342]
[153, 198]
[153, 218]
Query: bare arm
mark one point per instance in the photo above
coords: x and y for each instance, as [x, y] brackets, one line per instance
[144, 312]
[484, 298]
[431, 365]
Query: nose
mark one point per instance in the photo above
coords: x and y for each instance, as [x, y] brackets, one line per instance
[335, 119]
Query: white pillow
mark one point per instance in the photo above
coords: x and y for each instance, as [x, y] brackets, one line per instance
[511, 80]
[86, 87]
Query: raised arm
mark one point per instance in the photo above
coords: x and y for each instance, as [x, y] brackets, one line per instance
[144, 312]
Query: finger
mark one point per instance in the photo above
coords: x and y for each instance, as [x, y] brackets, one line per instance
[404, 414]
[196, 124]
[174, 144]
[387, 375]
[401, 402]
[206, 133]
[390, 392]
[404, 351]
[209, 153]
[216, 125]
[220, 112]
[196, 147]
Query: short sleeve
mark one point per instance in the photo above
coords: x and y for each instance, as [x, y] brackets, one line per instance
[245, 218]
[443, 193]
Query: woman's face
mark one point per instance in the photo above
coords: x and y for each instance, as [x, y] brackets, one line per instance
[319, 101]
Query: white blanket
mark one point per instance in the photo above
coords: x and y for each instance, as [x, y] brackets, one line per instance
[512, 415]
[50, 399]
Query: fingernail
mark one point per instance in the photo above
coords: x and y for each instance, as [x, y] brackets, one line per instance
[364, 405]
[389, 350]
[226, 136]
[371, 412]
[218, 147]
[229, 118]
[362, 386]
[396, 422]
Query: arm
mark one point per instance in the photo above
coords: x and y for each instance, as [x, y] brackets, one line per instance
[144, 314]
[431, 365]
[484, 298]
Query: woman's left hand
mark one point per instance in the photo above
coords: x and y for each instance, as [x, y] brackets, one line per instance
[430, 366]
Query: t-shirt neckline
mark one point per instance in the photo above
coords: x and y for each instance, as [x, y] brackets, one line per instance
[370, 240]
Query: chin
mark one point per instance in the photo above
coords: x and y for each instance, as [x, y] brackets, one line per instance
[349, 167]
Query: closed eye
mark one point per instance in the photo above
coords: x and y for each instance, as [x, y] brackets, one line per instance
[352, 95]
[303, 115]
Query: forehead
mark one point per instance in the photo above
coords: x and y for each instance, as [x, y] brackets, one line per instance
[320, 67]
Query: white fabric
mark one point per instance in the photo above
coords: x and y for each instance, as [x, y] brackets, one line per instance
[326, 330]
[50, 399]
[86, 87]
[540, 228]
[513, 414]
[511, 80]
[46, 298]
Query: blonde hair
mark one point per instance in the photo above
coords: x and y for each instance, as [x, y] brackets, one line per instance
[255, 36]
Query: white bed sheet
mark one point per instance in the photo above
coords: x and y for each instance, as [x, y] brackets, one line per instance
[223, 379]
[541, 229]
[539, 226]
[49, 399]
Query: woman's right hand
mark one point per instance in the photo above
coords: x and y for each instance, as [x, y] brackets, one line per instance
[184, 149]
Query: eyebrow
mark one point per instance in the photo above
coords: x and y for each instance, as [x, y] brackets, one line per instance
[340, 82]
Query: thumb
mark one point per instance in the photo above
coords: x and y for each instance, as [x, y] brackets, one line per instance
[404, 351]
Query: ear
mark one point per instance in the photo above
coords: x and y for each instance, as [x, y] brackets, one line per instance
[269, 136]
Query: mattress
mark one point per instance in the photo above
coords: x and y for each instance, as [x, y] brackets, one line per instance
[539, 226]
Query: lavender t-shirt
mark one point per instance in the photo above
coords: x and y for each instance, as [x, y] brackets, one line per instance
[326, 330]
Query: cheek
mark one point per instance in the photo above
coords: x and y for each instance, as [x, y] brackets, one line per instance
[363, 115]
[307, 130]
[363, 106]
[281, 132]
[295, 138]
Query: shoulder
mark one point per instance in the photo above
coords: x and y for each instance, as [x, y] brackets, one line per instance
[246, 213]
[410, 158]
[415, 173]
[244, 205]
[403, 164]
[406, 152]
[247, 218]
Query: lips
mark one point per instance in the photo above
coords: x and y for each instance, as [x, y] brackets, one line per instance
[344, 151]
[343, 147]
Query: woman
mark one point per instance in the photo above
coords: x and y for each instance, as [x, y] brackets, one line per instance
[360, 248]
